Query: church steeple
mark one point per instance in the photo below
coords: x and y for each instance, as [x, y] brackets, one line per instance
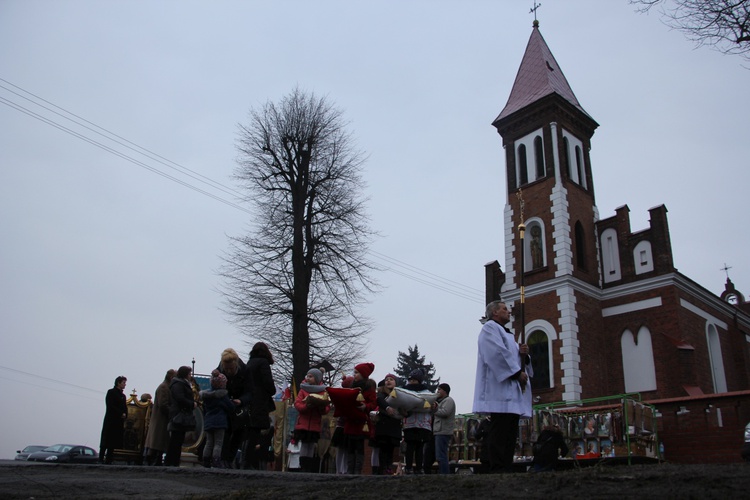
[547, 137]
[538, 76]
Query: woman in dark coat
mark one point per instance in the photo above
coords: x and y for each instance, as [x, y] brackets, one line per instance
[240, 392]
[261, 403]
[387, 428]
[181, 399]
[114, 418]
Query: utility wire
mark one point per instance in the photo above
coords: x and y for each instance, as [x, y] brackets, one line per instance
[50, 379]
[57, 391]
[434, 285]
[407, 266]
[108, 149]
[123, 142]
[424, 277]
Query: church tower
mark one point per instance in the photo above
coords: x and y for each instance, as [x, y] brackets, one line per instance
[606, 311]
[546, 135]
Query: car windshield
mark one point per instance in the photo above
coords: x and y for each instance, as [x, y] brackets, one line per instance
[32, 449]
[59, 448]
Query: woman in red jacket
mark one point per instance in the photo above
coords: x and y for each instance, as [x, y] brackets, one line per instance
[309, 422]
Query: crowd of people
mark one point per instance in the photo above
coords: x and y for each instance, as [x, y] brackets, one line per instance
[238, 405]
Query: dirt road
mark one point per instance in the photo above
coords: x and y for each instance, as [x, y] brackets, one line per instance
[24, 480]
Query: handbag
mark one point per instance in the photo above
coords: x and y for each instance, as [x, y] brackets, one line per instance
[240, 418]
[185, 420]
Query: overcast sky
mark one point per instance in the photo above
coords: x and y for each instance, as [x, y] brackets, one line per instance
[107, 268]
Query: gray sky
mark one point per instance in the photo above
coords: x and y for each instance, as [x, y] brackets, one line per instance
[108, 269]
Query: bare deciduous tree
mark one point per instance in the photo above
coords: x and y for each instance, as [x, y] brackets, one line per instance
[721, 24]
[297, 280]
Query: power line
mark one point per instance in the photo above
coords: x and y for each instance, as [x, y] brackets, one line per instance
[110, 150]
[57, 391]
[436, 286]
[422, 276]
[50, 379]
[123, 142]
[407, 266]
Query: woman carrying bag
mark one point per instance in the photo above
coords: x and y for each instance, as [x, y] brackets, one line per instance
[181, 408]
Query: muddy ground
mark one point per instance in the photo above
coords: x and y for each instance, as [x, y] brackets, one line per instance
[24, 480]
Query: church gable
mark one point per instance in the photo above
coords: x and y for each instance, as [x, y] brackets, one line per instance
[626, 256]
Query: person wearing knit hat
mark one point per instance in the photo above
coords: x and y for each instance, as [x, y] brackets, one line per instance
[216, 409]
[218, 380]
[308, 427]
[417, 428]
[417, 374]
[365, 369]
[443, 422]
[316, 374]
[358, 426]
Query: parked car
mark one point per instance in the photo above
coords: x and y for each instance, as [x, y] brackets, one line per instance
[24, 454]
[746, 446]
[68, 453]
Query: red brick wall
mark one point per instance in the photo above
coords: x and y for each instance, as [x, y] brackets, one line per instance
[699, 436]
[596, 353]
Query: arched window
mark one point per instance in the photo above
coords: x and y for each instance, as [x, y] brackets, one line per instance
[566, 157]
[539, 157]
[523, 165]
[539, 347]
[580, 247]
[579, 168]
[717, 363]
[638, 361]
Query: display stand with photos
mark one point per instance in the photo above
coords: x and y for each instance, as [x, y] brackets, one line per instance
[617, 428]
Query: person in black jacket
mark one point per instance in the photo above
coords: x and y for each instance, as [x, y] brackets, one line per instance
[261, 404]
[114, 418]
[387, 427]
[240, 392]
[181, 400]
[547, 449]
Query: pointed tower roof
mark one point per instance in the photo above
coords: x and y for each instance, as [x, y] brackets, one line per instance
[538, 76]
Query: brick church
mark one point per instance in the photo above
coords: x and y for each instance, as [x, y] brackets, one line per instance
[606, 310]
